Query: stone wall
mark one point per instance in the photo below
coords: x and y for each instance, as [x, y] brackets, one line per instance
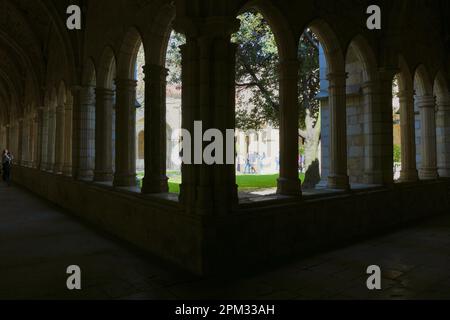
[251, 236]
[154, 224]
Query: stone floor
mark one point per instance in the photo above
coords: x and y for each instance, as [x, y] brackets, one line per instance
[38, 242]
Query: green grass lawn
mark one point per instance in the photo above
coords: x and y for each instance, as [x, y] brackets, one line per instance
[245, 182]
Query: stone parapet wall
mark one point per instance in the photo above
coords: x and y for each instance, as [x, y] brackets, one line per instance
[247, 238]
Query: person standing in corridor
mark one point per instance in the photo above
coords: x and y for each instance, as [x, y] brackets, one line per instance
[6, 166]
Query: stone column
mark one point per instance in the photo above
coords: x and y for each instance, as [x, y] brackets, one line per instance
[8, 136]
[76, 125]
[83, 133]
[379, 150]
[44, 145]
[38, 138]
[409, 171]
[19, 155]
[443, 135]
[125, 175]
[51, 139]
[155, 180]
[190, 56]
[386, 76]
[427, 105]
[2, 138]
[103, 135]
[59, 139]
[289, 183]
[87, 133]
[208, 96]
[372, 140]
[338, 178]
[68, 116]
[24, 137]
[30, 141]
[224, 115]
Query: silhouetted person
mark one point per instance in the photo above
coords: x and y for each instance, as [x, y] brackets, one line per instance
[6, 166]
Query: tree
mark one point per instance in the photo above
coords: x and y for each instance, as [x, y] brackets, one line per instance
[257, 81]
[173, 58]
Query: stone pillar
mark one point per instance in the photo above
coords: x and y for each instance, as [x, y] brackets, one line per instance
[68, 124]
[8, 136]
[208, 96]
[51, 139]
[379, 151]
[338, 178]
[223, 115]
[372, 140]
[38, 118]
[2, 138]
[24, 138]
[155, 180]
[76, 125]
[83, 133]
[289, 183]
[427, 105]
[386, 78]
[103, 135]
[125, 175]
[30, 141]
[190, 57]
[87, 133]
[44, 145]
[409, 171]
[19, 155]
[443, 135]
[59, 139]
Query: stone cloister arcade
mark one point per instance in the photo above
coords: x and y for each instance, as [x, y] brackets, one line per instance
[67, 113]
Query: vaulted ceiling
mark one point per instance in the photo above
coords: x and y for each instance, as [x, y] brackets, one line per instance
[26, 27]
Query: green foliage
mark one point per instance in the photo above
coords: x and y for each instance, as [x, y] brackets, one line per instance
[397, 154]
[309, 77]
[173, 58]
[257, 76]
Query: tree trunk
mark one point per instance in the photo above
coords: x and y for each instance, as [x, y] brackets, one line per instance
[312, 144]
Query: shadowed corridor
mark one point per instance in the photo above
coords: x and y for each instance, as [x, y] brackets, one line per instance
[38, 242]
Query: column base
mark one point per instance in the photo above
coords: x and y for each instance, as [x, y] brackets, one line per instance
[374, 178]
[152, 184]
[187, 194]
[323, 184]
[444, 172]
[67, 171]
[204, 202]
[85, 175]
[289, 187]
[226, 198]
[103, 176]
[125, 180]
[339, 182]
[58, 169]
[409, 176]
[42, 166]
[428, 174]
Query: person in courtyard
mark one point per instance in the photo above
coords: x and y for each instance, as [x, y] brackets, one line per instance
[253, 159]
[247, 166]
[6, 166]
